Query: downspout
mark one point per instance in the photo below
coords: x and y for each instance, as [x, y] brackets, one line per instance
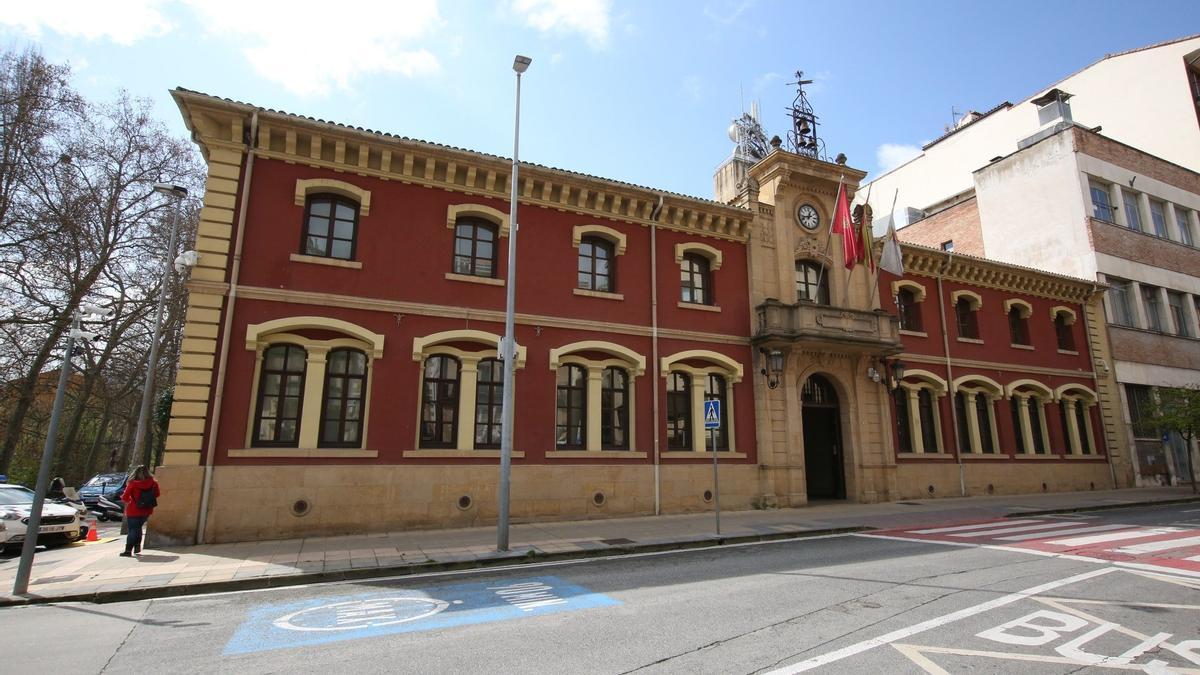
[654, 215]
[962, 480]
[227, 329]
[1087, 329]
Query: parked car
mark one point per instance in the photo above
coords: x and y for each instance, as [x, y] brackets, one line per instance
[60, 524]
[108, 485]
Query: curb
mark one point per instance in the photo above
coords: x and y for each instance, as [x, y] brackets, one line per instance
[1104, 507]
[367, 573]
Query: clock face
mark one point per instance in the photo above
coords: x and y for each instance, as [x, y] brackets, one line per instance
[808, 217]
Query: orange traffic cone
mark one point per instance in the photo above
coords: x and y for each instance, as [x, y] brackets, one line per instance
[92, 535]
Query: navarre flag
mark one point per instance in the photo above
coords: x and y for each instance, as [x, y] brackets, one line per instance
[843, 226]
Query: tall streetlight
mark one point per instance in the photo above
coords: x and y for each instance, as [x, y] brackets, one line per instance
[508, 349]
[77, 334]
[178, 192]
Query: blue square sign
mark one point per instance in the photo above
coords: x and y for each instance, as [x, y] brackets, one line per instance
[712, 414]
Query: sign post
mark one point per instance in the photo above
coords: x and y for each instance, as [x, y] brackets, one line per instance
[712, 421]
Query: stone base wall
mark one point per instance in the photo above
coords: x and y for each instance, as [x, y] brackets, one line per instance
[259, 502]
[913, 480]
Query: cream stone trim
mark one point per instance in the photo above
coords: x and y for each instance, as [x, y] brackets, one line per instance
[697, 306]
[595, 373]
[421, 345]
[993, 365]
[933, 380]
[630, 357]
[256, 332]
[456, 211]
[699, 378]
[700, 454]
[615, 237]
[713, 255]
[992, 387]
[311, 186]
[1041, 389]
[912, 408]
[473, 279]
[444, 453]
[346, 453]
[917, 289]
[603, 295]
[975, 434]
[1082, 392]
[728, 365]
[595, 454]
[974, 298]
[321, 260]
[1025, 309]
[1070, 314]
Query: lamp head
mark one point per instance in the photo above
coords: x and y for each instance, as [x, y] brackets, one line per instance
[171, 190]
[521, 63]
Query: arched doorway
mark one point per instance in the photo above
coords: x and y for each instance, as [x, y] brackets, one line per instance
[825, 471]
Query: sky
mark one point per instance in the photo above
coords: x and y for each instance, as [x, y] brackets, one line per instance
[641, 92]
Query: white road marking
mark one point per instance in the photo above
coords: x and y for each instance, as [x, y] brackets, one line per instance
[978, 526]
[1010, 530]
[1059, 533]
[1116, 536]
[923, 541]
[1195, 558]
[1156, 546]
[1161, 569]
[866, 645]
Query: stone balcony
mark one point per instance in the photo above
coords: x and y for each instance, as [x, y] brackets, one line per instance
[838, 328]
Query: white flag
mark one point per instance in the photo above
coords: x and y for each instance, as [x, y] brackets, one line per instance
[891, 260]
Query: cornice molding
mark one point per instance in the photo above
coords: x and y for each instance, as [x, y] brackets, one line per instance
[996, 275]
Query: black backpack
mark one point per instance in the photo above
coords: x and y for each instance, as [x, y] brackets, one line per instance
[146, 499]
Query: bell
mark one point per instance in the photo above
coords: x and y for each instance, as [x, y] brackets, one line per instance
[804, 127]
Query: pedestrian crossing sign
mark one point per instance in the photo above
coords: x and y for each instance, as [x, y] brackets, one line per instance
[712, 414]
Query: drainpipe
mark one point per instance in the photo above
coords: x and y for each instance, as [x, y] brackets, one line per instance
[1087, 330]
[962, 480]
[654, 216]
[227, 329]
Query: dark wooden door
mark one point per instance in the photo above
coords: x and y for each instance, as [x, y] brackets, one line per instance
[824, 470]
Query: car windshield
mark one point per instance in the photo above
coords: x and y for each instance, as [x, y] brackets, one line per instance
[109, 478]
[15, 496]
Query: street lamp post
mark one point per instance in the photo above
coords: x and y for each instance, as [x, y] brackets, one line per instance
[508, 349]
[179, 193]
[21, 583]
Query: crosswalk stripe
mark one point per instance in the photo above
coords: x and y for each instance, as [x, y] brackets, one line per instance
[977, 526]
[1154, 546]
[1059, 533]
[1010, 530]
[1114, 536]
[1195, 558]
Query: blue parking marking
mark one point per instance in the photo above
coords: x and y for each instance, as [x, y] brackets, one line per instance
[353, 617]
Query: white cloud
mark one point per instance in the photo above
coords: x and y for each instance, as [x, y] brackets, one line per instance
[763, 81]
[728, 11]
[589, 18]
[121, 21]
[308, 49]
[892, 155]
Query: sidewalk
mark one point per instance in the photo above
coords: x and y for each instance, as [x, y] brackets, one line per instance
[94, 571]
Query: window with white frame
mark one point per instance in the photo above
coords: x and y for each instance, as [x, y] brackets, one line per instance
[1158, 218]
[1120, 301]
[1183, 220]
[1101, 203]
[1133, 217]
[1175, 307]
[1152, 307]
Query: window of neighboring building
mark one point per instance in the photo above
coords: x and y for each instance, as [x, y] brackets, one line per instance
[1153, 308]
[280, 394]
[1185, 226]
[1018, 325]
[968, 322]
[1158, 217]
[1175, 305]
[948, 245]
[475, 248]
[679, 411]
[903, 429]
[1064, 333]
[1141, 401]
[614, 409]
[695, 279]
[811, 283]
[596, 265]
[330, 227]
[1101, 206]
[714, 390]
[342, 402]
[909, 309]
[489, 403]
[570, 424]
[1133, 217]
[439, 402]
[1120, 301]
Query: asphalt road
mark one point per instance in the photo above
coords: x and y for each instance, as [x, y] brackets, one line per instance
[904, 602]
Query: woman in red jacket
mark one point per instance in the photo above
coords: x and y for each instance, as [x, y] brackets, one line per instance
[140, 497]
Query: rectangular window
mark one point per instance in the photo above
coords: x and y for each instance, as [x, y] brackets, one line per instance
[1083, 422]
[1018, 327]
[1185, 226]
[929, 421]
[1158, 216]
[968, 324]
[960, 418]
[679, 412]
[1101, 206]
[1038, 421]
[1179, 324]
[948, 245]
[1015, 404]
[1141, 401]
[1150, 302]
[1120, 302]
[1133, 217]
[983, 417]
[903, 432]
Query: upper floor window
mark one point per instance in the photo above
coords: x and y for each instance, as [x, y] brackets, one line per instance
[1141, 403]
[596, 265]
[679, 411]
[968, 323]
[1133, 217]
[439, 402]
[1185, 226]
[614, 409]
[342, 402]
[695, 280]
[948, 245]
[1158, 216]
[475, 248]
[571, 408]
[1063, 332]
[714, 390]
[811, 282]
[909, 309]
[1120, 301]
[1175, 305]
[330, 227]
[280, 393]
[489, 403]
[1153, 308]
[1018, 325]
[1101, 206]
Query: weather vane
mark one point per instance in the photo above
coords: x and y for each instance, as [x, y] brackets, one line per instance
[803, 136]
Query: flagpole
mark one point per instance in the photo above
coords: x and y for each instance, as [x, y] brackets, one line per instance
[891, 227]
[828, 239]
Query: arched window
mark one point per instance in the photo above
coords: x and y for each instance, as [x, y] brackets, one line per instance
[909, 310]
[968, 323]
[903, 429]
[330, 227]
[439, 401]
[342, 402]
[974, 413]
[614, 409]
[1063, 332]
[714, 390]
[596, 263]
[489, 403]
[679, 411]
[570, 425]
[280, 393]
[694, 279]
[1076, 422]
[475, 248]
[811, 284]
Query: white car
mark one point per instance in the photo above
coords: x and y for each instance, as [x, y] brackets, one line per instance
[60, 524]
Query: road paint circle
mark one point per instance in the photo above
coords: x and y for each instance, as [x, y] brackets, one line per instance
[357, 614]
